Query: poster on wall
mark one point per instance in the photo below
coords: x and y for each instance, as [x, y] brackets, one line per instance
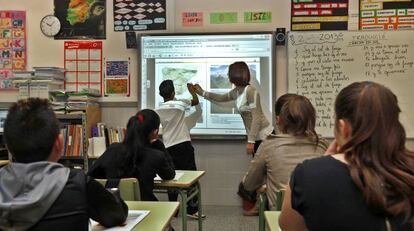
[386, 14]
[81, 19]
[319, 15]
[192, 19]
[12, 46]
[83, 65]
[117, 77]
[140, 15]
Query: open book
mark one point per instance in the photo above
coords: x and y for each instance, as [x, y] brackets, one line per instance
[177, 176]
[134, 217]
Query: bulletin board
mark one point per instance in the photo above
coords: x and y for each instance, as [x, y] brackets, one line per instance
[12, 46]
[83, 65]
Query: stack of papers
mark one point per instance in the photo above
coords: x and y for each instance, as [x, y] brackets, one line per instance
[56, 73]
[134, 217]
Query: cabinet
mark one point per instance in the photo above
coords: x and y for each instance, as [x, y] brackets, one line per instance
[76, 129]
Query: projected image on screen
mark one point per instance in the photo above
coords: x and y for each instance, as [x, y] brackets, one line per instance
[180, 77]
[204, 60]
[218, 77]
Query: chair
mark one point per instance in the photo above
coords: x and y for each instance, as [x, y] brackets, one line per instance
[128, 188]
[263, 203]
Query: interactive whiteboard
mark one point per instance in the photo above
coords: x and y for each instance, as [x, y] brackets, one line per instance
[204, 59]
[322, 63]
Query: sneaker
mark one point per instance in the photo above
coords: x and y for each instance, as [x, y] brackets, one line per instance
[196, 216]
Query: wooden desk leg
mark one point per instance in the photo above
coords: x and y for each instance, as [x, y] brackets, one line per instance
[200, 211]
[183, 211]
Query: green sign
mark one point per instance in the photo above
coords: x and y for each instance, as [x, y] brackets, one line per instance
[257, 17]
[223, 18]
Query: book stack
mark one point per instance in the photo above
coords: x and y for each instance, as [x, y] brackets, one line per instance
[81, 100]
[111, 134]
[40, 82]
[51, 73]
[73, 140]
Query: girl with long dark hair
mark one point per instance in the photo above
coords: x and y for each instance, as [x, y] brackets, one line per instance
[140, 155]
[367, 183]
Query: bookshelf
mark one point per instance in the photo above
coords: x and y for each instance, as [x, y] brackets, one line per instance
[78, 125]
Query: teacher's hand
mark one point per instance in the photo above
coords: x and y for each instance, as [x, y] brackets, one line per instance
[198, 89]
[250, 148]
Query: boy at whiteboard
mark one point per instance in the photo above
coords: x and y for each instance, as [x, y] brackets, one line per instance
[176, 132]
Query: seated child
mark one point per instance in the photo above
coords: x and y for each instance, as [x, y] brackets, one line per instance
[140, 155]
[279, 154]
[36, 193]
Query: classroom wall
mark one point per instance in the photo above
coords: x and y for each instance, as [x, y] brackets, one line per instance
[224, 160]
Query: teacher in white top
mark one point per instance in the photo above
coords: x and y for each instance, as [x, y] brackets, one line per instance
[247, 100]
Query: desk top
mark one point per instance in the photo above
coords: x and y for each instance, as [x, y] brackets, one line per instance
[185, 181]
[3, 162]
[272, 220]
[159, 217]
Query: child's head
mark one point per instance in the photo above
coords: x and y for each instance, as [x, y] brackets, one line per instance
[167, 90]
[367, 115]
[297, 117]
[239, 74]
[31, 131]
[281, 101]
[142, 128]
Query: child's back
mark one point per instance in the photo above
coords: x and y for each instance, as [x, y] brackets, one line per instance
[36, 193]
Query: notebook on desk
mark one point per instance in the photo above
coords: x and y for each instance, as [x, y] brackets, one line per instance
[134, 217]
[178, 175]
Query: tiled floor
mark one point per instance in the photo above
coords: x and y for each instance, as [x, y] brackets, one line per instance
[221, 218]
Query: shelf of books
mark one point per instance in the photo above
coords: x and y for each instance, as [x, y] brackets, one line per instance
[76, 129]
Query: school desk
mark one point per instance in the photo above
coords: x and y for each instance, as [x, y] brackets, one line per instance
[272, 220]
[3, 162]
[188, 186]
[159, 217]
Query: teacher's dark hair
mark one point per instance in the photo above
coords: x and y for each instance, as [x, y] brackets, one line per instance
[298, 117]
[239, 74]
[379, 163]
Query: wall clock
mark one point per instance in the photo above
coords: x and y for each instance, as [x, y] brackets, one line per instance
[50, 25]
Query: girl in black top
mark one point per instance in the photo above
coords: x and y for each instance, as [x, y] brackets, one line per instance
[369, 184]
[140, 155]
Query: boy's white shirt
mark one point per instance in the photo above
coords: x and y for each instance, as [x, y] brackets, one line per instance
[175, 125]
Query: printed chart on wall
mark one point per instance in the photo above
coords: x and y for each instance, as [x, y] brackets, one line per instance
[12, 46]
[386, 14]
[319, 15]
[117, 77]
[83, 65]
[139, 15]
[84, 19]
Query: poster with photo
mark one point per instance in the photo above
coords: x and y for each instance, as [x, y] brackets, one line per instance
[117, 77]
[81, 19]
[13, 47]
[140, 15]
[83, 65]
[319, 15]
[386, 15]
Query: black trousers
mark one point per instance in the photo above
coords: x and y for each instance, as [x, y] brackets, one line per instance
[256, 146]
[183, 158]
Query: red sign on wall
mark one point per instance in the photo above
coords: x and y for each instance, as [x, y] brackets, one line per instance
[83, 65]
